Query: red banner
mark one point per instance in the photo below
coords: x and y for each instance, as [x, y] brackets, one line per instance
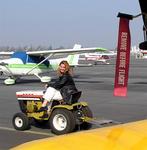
[123, 58]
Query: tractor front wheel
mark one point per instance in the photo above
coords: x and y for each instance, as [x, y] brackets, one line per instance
[20, 121]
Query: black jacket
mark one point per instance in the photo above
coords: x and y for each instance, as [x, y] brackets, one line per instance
[65, 84]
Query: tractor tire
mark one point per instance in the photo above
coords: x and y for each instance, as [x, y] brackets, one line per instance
[20, 121]
[87, 113]
[62, 121]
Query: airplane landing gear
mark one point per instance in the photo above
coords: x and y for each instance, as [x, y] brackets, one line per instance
[9, 81]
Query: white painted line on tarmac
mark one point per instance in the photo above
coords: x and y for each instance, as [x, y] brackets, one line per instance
[27, 131]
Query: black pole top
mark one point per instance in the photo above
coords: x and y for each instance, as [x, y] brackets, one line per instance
[127, 16]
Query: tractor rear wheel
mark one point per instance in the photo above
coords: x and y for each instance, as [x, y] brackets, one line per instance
[62, 121]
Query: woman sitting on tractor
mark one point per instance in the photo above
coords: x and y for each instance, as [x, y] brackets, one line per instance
[62, 89]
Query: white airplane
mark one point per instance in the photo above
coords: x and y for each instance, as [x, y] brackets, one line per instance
[98, 56]
[23, 63]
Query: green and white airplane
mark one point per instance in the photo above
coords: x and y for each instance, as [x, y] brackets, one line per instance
[30, 63]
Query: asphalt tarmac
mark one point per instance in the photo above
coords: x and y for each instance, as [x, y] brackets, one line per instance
[96, 84]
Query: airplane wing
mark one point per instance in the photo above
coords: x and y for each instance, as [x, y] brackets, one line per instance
[76, 49]
[6, 53]
[62, 51]
[119, 137]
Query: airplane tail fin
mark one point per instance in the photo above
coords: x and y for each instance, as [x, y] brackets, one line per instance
[74, 58]
[77, 46]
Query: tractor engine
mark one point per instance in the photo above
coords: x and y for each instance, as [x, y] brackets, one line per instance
[29, 101]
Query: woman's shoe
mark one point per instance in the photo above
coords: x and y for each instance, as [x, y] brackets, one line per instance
[42, 109]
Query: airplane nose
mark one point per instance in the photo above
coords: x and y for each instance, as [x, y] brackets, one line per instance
[3, 64]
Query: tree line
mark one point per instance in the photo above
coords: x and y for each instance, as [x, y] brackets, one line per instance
[28, 48]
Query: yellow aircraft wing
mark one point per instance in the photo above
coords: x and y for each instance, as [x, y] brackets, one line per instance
[130, 136]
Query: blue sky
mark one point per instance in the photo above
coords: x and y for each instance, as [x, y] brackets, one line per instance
[66, 22]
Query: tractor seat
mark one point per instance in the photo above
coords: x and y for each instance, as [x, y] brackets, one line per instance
[74, 97]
